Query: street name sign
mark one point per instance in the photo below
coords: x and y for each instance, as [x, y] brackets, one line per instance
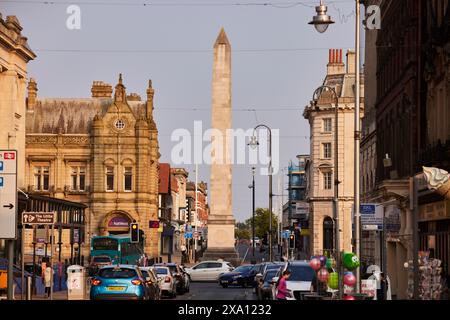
[8, 194]
[371, 216]
[40, 218]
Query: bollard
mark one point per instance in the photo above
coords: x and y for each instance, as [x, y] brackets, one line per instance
[29, 282]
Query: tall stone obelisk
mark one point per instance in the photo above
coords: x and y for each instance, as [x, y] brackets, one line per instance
[221, 222]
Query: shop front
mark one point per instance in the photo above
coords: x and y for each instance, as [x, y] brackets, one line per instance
[434, 231]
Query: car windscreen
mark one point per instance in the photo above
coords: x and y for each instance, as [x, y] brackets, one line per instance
[117, 273]
[269, 275]
[101, 259]
[301, 273]
[145, 274]
[173, 269]
[161, 270]
[104, 244]
[243, 269]
[273, 267]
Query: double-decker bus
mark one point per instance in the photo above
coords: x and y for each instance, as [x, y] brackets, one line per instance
[118, 248]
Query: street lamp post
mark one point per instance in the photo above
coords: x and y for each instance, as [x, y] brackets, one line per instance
[252, 186]
[321, 22]
[317, 94]
[254, 143]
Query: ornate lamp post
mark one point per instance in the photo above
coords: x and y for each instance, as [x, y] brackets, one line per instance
[254, 143]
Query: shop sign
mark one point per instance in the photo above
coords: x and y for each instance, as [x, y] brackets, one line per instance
[439, 210]
[119, 222]
[369, 287]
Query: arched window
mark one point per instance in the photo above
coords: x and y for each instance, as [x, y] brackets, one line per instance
[328, 234]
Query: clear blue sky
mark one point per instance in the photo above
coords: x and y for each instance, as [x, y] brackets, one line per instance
[123, 38]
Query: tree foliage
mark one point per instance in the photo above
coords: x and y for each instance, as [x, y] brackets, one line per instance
[262, 223]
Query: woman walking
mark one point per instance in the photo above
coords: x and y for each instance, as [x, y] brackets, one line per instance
[283, 292]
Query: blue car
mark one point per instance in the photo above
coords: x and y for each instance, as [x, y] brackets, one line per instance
[123, 282]
[243, 276]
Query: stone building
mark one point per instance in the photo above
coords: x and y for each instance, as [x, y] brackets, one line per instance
[321, 115]
[14, 56]
[101, 151]
[412, 115]
[370, 240]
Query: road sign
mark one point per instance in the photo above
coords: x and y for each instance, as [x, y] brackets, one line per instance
[38, 218]
[8, 194]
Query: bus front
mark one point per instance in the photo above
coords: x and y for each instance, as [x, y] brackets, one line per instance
[106, 246]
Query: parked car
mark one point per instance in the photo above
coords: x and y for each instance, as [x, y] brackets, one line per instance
[97, 262]
[264, 287]
[168, 284]
[178, 274]
[243, 276]
[263, 267]
[124, 282]
[152, 282]
[208, 270]
[300, 280]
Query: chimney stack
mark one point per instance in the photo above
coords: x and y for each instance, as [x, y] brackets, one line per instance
[335, 64]
[101, 89]
[32, 94]
[351, 61]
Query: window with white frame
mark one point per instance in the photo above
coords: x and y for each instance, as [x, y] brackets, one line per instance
[327, 180]
[128, 179]
[41, 178]
[109, 178]
[326, 150]
[327, 125]
[77, 178]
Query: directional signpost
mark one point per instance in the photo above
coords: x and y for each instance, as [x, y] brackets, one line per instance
[41, 218]
[8, 207]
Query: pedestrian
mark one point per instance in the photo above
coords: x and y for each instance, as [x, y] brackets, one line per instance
[183, 253]
[283, 292]
[382, 291]
[48, 277]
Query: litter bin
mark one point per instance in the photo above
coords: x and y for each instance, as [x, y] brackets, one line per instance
[76, 283]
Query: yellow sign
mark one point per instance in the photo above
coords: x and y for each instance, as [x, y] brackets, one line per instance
[304, 232]
[160, 229]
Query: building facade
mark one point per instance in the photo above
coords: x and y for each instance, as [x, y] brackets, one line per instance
[370, 240]
[14, 57]
[296, 209]
[321, 115]
[103, 152]
[412, 116]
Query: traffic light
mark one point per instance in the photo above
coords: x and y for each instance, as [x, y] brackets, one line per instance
[134, 232]
[292, 241]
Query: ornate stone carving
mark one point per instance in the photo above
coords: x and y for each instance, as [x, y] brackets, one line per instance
[41, 139]
[77, 140]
